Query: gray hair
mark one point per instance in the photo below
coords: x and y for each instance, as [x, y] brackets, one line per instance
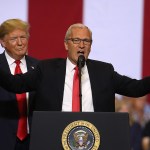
[77, 25]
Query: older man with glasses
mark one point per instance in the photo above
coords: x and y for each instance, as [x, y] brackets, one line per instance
[53, 79]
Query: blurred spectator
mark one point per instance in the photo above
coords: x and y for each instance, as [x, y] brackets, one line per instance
[146, 137]
[139, 111]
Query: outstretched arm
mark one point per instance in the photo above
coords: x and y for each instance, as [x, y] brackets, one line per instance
[19, 83]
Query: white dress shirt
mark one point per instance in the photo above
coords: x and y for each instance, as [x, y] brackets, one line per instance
[12, 66]
[87, 100]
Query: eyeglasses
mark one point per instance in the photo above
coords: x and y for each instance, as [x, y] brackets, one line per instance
[78, 41]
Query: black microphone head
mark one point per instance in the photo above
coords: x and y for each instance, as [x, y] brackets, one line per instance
[81, 61]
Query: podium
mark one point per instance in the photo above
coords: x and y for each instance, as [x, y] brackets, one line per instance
[80, 131]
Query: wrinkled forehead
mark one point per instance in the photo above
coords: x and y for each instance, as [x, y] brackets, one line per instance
[78, 27]
[80, 32]
[15, 33]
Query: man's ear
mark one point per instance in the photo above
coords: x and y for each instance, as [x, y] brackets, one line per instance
[66, 45]
[2, 43]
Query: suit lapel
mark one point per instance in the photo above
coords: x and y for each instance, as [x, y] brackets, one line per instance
[5, 66]
[60, 76]
[30, 64]
[4, 63]
[92, 76]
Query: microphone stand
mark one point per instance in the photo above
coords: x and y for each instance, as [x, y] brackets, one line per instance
[80, 88]
[80, 63]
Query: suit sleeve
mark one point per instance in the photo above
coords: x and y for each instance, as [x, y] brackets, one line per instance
[21, 82]
[131, 87]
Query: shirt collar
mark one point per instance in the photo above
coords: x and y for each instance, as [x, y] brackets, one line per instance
[10, 60]
[71, 66]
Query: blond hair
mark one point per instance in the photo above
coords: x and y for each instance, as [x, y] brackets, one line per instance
[12, 24]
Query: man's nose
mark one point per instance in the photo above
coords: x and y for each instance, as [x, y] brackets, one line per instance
[81, 44]
[19, 41]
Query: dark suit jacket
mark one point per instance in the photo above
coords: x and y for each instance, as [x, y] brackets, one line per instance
[9, 109]
[49, 77]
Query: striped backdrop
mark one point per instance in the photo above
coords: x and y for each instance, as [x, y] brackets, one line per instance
[121, 29]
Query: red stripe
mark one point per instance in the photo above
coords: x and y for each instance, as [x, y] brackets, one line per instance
[49, 21]
[146, 41]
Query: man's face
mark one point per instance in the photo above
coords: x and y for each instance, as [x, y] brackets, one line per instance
[16, 43]
[76, 48]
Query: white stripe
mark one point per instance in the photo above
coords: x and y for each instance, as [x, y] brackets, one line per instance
[13, 9]
[117, 33]
[116, 25]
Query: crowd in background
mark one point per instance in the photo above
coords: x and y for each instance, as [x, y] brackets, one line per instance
[139, 119]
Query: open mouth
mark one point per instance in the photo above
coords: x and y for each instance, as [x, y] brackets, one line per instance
[80, 52]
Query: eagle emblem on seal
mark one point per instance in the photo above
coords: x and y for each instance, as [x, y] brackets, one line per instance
[81, 139]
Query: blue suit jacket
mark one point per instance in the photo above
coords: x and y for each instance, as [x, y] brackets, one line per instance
[9, 109]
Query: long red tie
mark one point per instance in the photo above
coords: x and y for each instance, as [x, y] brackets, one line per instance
[75, 92]
[22, 106]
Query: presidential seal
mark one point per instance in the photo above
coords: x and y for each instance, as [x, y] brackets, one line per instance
[80, 135]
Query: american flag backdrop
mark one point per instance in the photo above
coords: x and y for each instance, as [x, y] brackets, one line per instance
[121, 29]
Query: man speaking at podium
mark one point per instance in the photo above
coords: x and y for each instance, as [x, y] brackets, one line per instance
[54, 80]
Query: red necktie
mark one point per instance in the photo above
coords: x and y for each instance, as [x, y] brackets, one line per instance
[22, 106]
[75, 92]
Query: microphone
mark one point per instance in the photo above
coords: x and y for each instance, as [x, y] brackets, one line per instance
[80, 64]
[81, 61]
